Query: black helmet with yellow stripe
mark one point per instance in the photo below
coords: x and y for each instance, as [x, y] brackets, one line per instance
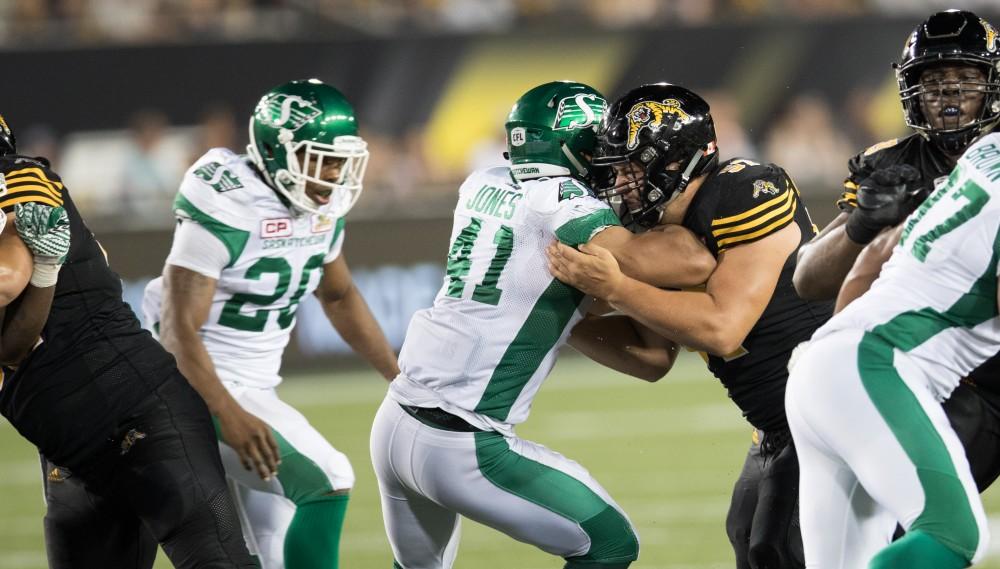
[8, 144]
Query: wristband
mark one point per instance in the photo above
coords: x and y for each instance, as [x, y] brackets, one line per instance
[45, 275]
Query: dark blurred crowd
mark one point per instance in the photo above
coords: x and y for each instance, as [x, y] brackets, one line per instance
[811, 136]
[127, 178]
[33, 23]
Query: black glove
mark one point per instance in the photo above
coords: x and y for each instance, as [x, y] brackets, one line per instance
[885, 199]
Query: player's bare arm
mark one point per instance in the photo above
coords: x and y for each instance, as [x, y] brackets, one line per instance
[624, 345]
[33, 251]
[187, 301]
[885, 198]
[20, 326]
[824, 262]
[868, 266]
[670, 256]
[716, 320]
[351, 317]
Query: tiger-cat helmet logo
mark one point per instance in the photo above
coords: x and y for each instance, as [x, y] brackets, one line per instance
[991, 36]
[649, 114]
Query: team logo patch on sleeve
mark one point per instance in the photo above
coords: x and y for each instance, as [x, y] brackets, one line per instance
[764, 187]
[649, 114]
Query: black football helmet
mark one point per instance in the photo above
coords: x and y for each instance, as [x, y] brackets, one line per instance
[8, 144]
[650, 128]
[952, 37]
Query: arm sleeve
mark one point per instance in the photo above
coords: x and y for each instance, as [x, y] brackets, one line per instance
[578, 216]
[758, 202]
[198, 249]
[30, 182]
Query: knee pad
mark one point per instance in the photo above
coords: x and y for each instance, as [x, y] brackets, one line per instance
[918, 550]
[305, 480]
[613, 542]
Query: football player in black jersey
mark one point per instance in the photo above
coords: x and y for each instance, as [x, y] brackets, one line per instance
[949, 84]
[660, 140]
[97, 395]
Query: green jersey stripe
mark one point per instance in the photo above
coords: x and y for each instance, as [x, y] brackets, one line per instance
[234, 239]
[947, 515]
[580, 230]
[558, 492]
[541, 330]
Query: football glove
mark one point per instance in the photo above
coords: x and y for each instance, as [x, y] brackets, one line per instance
[885, 199]
[45, 231]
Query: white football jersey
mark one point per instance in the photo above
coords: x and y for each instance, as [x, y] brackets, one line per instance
[274, 260]
[492, 336]
[936, 298]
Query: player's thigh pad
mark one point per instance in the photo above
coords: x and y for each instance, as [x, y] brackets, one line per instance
[310, 467]
[867, 408]
[523, 489]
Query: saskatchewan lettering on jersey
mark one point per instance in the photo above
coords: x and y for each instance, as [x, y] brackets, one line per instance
[498, 202]
[285, 242]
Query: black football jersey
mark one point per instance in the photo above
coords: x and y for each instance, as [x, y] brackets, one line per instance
[94, 362]
[739, 203]
[914, 150]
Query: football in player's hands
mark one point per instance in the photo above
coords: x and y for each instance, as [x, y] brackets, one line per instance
[44, 230]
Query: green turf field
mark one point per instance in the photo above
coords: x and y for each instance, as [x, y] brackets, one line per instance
[668, 453]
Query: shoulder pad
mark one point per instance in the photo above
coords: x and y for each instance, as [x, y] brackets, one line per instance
[543, 194]
[24, 179]
[753, 203]
[880, 146]
[218, 185]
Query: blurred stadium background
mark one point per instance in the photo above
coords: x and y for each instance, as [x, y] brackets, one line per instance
[124, 94]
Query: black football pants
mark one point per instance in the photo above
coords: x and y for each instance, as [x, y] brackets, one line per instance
[763, 519]
[159, 479]
[974, 413]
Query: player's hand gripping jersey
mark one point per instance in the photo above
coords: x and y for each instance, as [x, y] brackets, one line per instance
[93, 354]
[484, 348]
[946, 320]
[264, 259]
[739, 203]
[914, 150]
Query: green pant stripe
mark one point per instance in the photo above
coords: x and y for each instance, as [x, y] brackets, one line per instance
[611, 536]
[947, 515]
[302, 479]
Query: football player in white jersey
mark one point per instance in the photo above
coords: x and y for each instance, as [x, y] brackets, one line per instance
[443, 442]
[864, 397]
[255, 234]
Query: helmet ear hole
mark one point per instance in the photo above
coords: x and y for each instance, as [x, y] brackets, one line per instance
[270, 151]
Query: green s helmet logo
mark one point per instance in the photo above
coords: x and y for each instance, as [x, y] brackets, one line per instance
[287, 111]
[579, 111]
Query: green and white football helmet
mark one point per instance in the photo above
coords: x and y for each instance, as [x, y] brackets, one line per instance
[302, 125]
[552, 130]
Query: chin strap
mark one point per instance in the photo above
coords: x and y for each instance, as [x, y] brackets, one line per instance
[581, 170]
